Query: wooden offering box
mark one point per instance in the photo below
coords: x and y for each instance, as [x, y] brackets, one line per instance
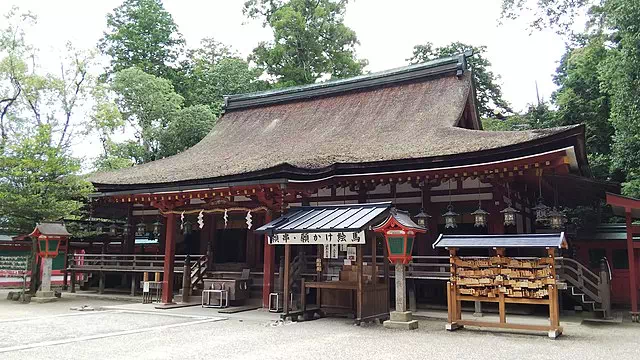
[502, 279]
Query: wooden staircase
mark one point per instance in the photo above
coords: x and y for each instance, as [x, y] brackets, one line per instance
[591, 290]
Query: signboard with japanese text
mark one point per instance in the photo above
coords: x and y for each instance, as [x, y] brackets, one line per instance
[337, 238]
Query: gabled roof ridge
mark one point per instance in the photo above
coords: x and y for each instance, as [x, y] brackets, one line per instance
[456, 64]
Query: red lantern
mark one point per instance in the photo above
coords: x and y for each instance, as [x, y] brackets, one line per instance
[49, 236]
[399, 234]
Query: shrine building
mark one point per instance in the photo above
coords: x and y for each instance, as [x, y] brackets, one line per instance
[411, 136]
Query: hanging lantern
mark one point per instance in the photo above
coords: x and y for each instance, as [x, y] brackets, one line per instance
[125, 231]
[480, 217]
[99, 228]
[421, 218]
[509, 215]
[557, 218]
[450, 218]
[156, 228]
[141, 229]
[113, 229]
[542, 211]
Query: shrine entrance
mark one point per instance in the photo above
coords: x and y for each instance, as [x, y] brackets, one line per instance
[230, 246]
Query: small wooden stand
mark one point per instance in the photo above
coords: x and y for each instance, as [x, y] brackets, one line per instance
[503, 280]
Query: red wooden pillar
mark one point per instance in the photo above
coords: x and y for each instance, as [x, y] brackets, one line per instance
[169, 258]
[268, 267]
[633, 285]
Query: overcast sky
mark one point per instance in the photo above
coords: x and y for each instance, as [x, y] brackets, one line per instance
[387, 30]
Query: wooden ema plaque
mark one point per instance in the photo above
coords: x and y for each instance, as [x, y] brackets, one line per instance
[502, 280]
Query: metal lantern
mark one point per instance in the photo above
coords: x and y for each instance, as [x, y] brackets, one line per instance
[480, 217]
[400, 235]
[141, 228]
[557, 219]
[450, 218]
[156, 228]
[99, 228]
[509, 215]
[542, 211]
[421, 218]
[113, 229]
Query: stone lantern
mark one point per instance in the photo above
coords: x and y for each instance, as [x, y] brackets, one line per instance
[49, 236]
[400, 233]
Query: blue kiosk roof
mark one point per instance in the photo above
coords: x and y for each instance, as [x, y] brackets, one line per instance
[501, 241]
[311, 219]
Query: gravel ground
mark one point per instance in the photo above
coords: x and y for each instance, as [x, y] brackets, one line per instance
[258, 337]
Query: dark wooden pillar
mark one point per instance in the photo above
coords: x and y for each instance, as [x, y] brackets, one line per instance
[210, 229]
[268, 267]
[129, 242]
[633, 284]
[169, 258]
[287, 266]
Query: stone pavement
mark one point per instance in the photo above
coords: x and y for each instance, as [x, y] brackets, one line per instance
[125, 330]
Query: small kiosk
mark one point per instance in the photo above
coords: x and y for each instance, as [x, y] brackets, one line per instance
[347, 280]
[501, 278]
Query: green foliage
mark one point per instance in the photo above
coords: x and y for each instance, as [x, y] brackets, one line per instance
[189, 126]
[150, 106]
[599, 79]
[580, 98]
[215, 70]
[311, 41]
[38, 182]
[142, 33]
[621, 80]
[488, 92]
[510, 123]
[558, 14]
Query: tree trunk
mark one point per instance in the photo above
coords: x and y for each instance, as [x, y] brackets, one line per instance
[35, 267]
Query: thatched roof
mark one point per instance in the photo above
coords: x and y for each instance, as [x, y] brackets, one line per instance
[414, 112]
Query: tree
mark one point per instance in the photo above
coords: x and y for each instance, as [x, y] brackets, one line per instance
[150, 106]
[39, 182]
[147, 103]
[214, 70]
[30, 99]
[614, 23]
[310, 41]
[488, 92]
[142, 33]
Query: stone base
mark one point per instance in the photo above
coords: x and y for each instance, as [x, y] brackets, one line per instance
[405, 325]
[555, 333]
[44, 297]
[401, 320]
[453, 326]
[401, 316]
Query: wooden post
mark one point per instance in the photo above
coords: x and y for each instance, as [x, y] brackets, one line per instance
[605, 289]
[133, 284]
[101, 283]
[501, 308]
[210, 229]
[169, 258]
[73, 281]
[385, 263]
[66, 265]
[268, 267]
[287, 265]
[359, 275]
[633, 284]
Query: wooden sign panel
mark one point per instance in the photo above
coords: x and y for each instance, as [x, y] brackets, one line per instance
[324, 238]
